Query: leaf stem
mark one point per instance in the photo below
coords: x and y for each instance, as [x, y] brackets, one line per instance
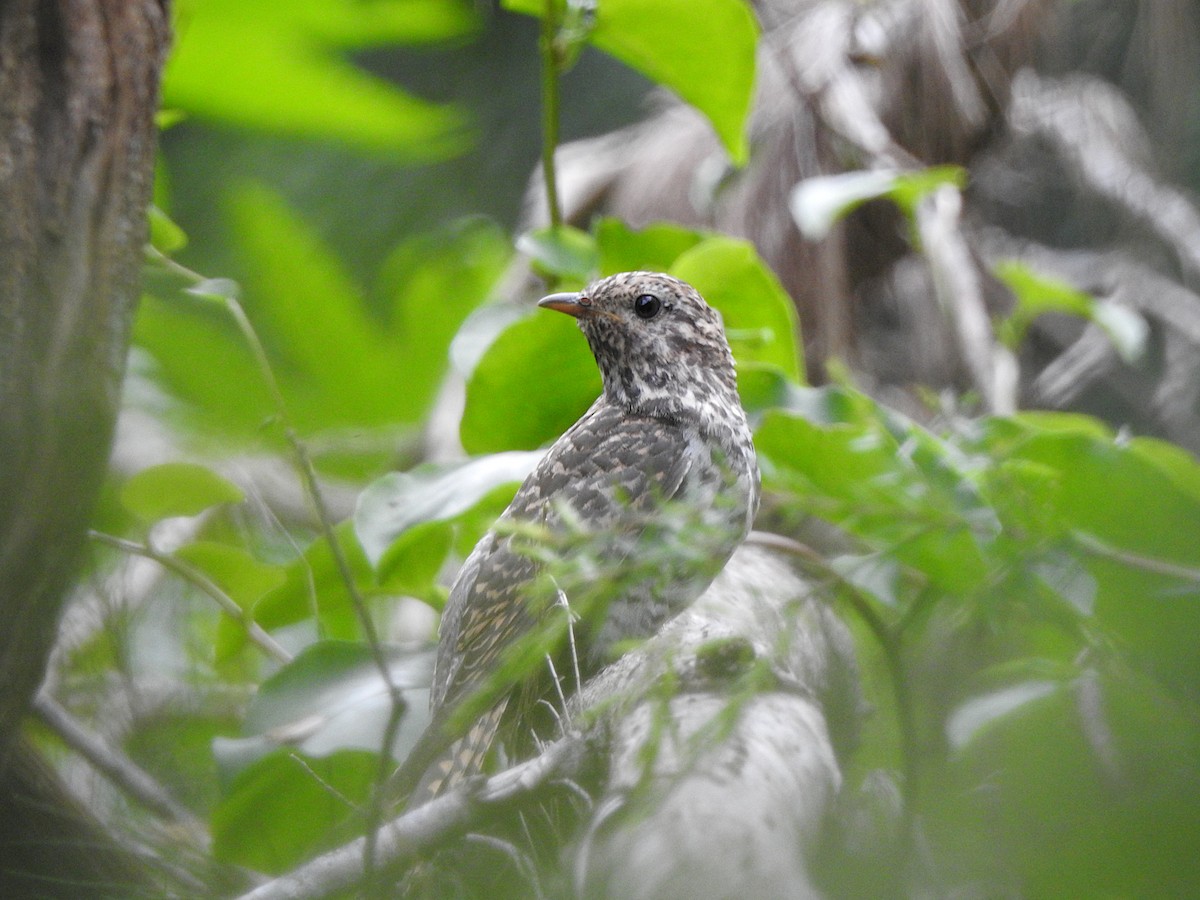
[199, 580]
[308, 475]
[551, 65]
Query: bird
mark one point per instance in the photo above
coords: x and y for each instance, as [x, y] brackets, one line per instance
[659, 476]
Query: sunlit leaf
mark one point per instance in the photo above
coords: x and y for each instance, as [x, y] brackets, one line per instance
[703, 50]
[545, 361]
[176, 489]
[760, 319]
[278, 67]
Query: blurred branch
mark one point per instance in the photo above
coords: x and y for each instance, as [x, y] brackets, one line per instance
[421, 829]
[992, 368]
[118, 768]
[1090, 124]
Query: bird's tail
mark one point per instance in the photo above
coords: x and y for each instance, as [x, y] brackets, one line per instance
[463, 758]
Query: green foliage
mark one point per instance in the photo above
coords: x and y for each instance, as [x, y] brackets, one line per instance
[176, 489]
[818, 203]
[342, 362]
[290, 53]
[285, 808]
[704, 51]
[1044, 578]
[547, 351]
[1037, 294]
[1025, 590]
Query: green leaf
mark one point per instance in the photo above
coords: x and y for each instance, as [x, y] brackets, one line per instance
[541, 359]
[760, 320]
[276, 67]
[651, 249]
[400, 501]
[431, 283]
[818, 203]
[241, 576]
[331, 697]
[762, 387]
[703, 50]
[412, 562]
[966, 722]
[165, 235]
[285, 808]
[176, 489]
[564, 252]
[315, 579]
[1038, 294]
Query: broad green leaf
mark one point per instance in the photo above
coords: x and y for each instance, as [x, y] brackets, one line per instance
[651, 249]
[241, 576]
[412, 562]
[1037, 294]
[399, 501]
[315, 578]
[176, 489]
[285, 808]
[277, 67]
[543, 364]
[200, 357]
[564, 252]
[703, 50]
[332, 697]
[760, 320]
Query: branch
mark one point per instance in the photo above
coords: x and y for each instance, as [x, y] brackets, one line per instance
[118, 768]
[423, 828]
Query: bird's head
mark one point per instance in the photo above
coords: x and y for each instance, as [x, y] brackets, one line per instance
[660, 348]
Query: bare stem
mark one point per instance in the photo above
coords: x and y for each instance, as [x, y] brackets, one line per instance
[199, 580]
[551, 64]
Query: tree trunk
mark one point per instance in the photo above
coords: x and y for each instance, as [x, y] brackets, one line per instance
[78, 93]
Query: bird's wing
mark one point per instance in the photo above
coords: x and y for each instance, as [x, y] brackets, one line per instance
[612, 469]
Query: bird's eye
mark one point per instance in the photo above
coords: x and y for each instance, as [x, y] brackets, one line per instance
[647, 306]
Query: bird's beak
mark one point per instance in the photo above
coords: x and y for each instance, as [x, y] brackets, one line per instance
[573, 304]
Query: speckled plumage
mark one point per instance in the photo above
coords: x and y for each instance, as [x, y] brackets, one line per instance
[667, 433]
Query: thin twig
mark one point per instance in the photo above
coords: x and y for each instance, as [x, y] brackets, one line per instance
[308, 475]
[202, 582]
[547, 44]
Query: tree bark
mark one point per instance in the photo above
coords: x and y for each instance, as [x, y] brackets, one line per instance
[78, 93]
